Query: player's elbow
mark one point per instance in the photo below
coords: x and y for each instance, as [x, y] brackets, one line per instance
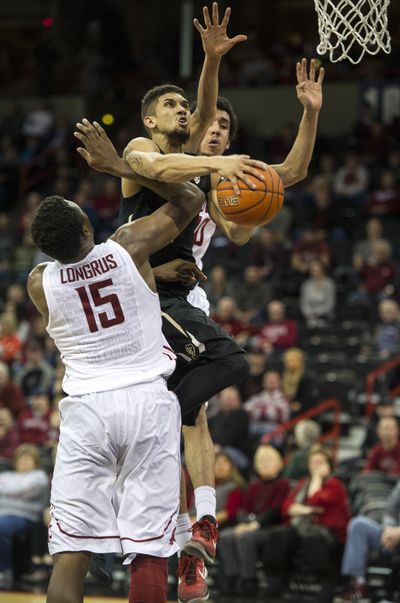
[293, 175]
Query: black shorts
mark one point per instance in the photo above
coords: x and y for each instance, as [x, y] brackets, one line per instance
[195, 339]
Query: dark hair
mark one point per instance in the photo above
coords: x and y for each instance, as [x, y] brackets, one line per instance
[224, 105]
[56, 228]
[323, 451]
[151, 97]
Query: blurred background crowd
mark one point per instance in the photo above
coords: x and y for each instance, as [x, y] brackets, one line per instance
[314, 297]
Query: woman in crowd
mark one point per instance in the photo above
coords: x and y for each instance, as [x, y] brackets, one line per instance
[258, 509]
[318, 297]
[316, 513]
[295, 384]
[23, 496]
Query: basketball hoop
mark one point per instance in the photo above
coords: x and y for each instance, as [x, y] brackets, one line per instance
[350, 28]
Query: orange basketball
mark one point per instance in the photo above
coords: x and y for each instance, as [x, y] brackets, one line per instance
[253, 206]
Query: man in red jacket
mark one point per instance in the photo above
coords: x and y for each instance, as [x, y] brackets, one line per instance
[385, 456]
[278, 333]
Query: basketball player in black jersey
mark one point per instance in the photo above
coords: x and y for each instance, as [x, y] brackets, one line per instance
[209, 360]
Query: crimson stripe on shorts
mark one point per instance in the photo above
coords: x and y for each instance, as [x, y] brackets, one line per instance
[111, 537]
[83, 536]
[154, 538]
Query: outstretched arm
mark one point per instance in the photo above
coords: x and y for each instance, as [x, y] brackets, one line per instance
[309, 92]
[216, 43]
[100, 154]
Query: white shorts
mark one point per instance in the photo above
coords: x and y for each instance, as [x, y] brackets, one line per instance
[198, 298]
[116, 478]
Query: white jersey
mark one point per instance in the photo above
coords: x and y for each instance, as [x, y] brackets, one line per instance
[105, 321]
[202, 237]
[203, 233]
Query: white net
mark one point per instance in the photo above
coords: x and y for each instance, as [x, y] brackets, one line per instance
[350, 28]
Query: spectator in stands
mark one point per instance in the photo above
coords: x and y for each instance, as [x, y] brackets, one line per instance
[295, 383]
[253, 294]
[229, 428]
[252, 384]
[16, 302]
[363, 249]
[307, 250]
[10, 343]
[377, 275]
[306, 435]
[384, 408]
[351, 180]
[11, 395]
[9, 436]
[385, 456]
[365, 535]
[278, 333]
[326, 169]
[269, 255]
[258, 510]
[217, 286]
[385, 199]
[318, 297]
[322, 212]
[22, 497]
[228, 316]
[229, 485]
[268, 409]
[317, 513]
[387, 334]
[36, 374]
[34, 422]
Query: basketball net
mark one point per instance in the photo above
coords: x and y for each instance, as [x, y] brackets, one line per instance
[350, 28]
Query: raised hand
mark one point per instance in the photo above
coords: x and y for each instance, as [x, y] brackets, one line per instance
[309, 90]
[99, 152]
[234, 167]
[215, 41]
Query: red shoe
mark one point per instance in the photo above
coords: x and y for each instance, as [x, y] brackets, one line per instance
[203, 543]
[356, 592]
[192, 585]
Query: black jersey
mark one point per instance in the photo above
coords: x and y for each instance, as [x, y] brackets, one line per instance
[144, 203]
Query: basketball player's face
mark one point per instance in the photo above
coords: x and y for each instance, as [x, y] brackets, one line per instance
[173, 117]
[216, 139]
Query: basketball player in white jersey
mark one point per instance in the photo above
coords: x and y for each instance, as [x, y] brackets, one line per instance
[103, 157]
[115, 486]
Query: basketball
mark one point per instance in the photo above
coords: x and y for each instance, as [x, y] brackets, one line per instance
[253, 206]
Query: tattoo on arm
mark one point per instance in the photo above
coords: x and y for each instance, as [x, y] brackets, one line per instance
[136, 164]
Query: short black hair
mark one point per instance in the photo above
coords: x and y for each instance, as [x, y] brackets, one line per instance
[224, 105]
[151, 97]
[56, 228]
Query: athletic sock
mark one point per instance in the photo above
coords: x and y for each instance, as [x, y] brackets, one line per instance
[205, 502]
[183, 532]
[149, 582]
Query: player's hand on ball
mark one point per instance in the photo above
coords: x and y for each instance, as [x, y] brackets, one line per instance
[213, 35]
[179, 270]
[309, 89]
[234, 167]
[99, 152]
